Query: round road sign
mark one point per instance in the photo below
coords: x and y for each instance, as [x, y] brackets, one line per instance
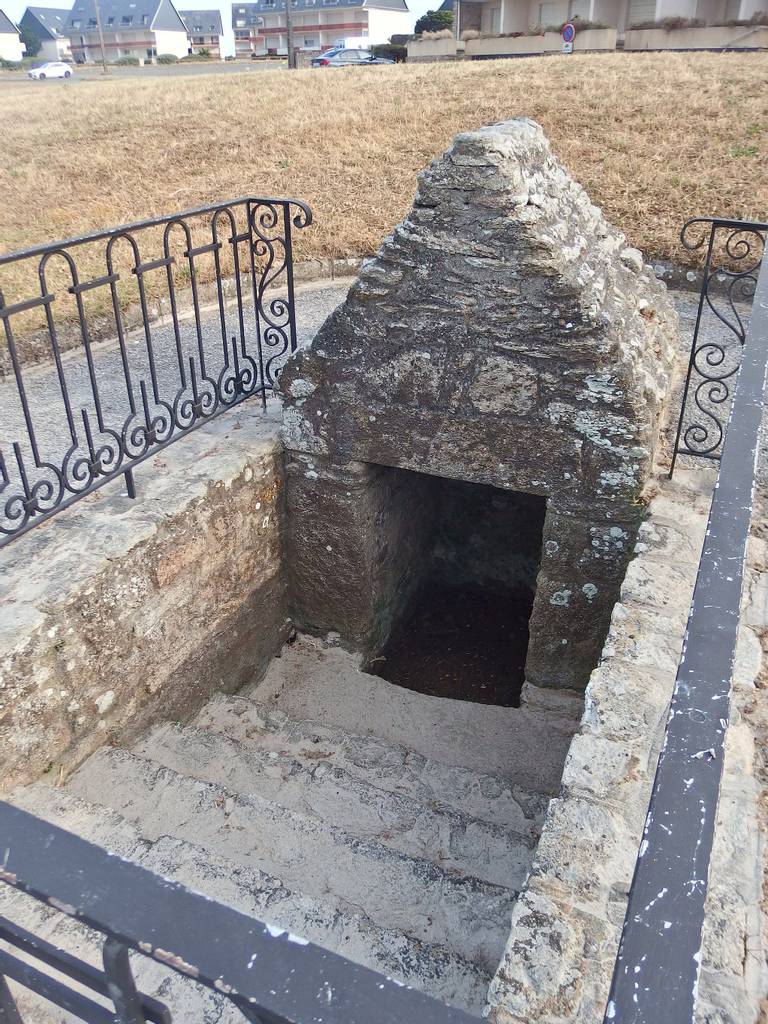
[569, 32]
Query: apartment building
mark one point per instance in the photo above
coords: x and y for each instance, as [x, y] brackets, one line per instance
[519, 15]
[205, 30]
[260, 27]
[132, 28]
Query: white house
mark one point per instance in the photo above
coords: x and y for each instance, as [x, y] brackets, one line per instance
[131, 28]
[260, 27]
[48, 25]
[10, 43]
[205, 31]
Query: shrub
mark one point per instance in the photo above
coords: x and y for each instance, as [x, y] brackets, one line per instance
[443, 34]
[167, 58]
[9, 65]
[128, 61]
[671, 24]
[757, 19]
[391, 51]
[580, 24]
[473, 33]
[434, 21]
[31, 42]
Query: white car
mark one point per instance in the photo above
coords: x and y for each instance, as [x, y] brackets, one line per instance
[53, 69]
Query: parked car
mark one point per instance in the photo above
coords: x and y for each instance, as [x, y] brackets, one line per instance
[52, 69]
[338, 57]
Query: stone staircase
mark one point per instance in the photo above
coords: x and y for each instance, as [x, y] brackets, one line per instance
[335, 805]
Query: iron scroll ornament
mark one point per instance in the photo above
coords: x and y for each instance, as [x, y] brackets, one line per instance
[95, 445]
[714, 362]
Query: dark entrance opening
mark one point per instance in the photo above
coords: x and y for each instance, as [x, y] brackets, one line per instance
[462, 629]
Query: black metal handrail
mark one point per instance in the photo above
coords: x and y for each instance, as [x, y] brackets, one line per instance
[272, 976]
[659, 960]
[734, 252]
[155, 392]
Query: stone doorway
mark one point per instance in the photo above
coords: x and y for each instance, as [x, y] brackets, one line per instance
[461, 628]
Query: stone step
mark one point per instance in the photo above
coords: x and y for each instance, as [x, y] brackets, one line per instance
[323, 790]
[467, 915]
[108, 829]
[329, 922]
[524, 746]
[388, 766]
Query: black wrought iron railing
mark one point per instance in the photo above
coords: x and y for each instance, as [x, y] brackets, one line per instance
[733, 255]
[76, 414]
[657, 969]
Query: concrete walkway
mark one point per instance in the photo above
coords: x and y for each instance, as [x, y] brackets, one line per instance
[314, 302]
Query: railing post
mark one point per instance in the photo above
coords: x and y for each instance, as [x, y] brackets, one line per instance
[122, 987]
[9, 1013]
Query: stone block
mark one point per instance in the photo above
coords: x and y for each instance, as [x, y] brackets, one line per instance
[624, 700]
[574, 831]
[644, 636]
[556, 951]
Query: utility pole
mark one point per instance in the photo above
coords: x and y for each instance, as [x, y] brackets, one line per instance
[289, 33]
[101, 37]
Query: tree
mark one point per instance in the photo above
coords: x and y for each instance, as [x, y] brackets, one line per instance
[434, 21]
[31, 42]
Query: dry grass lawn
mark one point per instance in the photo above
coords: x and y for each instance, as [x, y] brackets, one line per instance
[654, 138]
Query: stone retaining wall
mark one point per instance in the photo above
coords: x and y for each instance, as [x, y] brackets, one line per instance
[117, 614]
[567, 921]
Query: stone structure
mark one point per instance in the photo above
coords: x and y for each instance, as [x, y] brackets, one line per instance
[504, 335]
[567, 920]
[122, 613]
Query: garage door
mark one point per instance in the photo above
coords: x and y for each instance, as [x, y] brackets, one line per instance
[641, 10]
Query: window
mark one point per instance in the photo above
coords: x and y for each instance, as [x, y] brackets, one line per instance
[145, 19]
[76, 23]
[91, 23]
[548, 14]
[127, 19]
[110, 20]
[242, 35]
[310, 42]
[578, 9]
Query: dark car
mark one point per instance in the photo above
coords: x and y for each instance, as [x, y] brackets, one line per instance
[340, 57]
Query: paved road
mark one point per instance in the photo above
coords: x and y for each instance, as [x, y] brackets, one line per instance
[313, 304]
[95, 73]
